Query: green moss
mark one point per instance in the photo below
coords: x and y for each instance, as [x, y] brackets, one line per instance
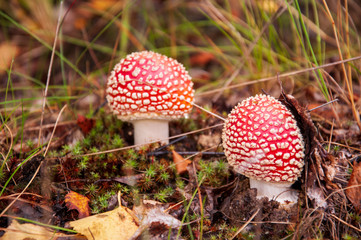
[164, 194]
[117, 142]
[92, 189]
[164, 177]
[131, 164]
[77, 149]
[83, 164]
[213, 173]
[151, 171]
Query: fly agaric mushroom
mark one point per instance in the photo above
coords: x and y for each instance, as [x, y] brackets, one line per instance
[149, 89]
[262, 141]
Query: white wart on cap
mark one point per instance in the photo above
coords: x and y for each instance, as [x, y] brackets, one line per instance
[262, 141]
[147, 86]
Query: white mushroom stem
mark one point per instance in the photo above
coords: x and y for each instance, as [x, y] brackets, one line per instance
[150, 130]
[280, 192]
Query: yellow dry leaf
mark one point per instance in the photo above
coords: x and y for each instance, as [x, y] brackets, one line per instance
[268, 5]
[8, 52]
[102, 5]
[353, 192]
[27, 231]
[39, 16]
[180, 163]
[80, 23]
[116, 224]
[78, 202]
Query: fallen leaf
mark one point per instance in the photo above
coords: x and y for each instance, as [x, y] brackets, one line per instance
[37, 16]
[78, 202]
[131, 180]
[214, 194]
[316, 195]
[201, 59]
[85, 124]
[326, 111]
[208, 141]
[155, 222]
[102, 5]
[354, 193]
[8, 52]
[86, 10]
[180, 163]
[268, 5]
[119, 223]
[28, 231]
[200, 74]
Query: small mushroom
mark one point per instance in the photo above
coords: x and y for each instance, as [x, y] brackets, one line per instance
[262, 141]
[149, 89]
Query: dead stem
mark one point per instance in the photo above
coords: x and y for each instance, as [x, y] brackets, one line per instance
[346, 146]
[26, 187]
[333, 193]
[52, 134]
[140, 145]
[209, 112]
[322, 105]
[47, 208]
[7, 155]
[293, 73]
[245, 225]
[347, 33]
[11, 143]
[347, 79]
[49, 71]
[347, 224]
[249, 50]
[200, 200]
[311, 25]
[331, 133]
[37, 170]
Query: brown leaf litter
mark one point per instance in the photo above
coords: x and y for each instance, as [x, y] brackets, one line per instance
[353, 190]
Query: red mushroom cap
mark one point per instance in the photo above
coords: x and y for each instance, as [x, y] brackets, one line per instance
[148, 85]
[261, 140]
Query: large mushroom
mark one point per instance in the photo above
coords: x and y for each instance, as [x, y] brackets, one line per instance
[262, 141]
[149, 89]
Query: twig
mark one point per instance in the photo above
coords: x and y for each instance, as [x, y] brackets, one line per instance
[209, 112]
[167, 145]
[245, 225]
[331, 135]
[343, 145]
[322, 105]
[186, 153]
[26, 187]
[47, 208]
[333, 193]
[173, 206]
[351, 226]
[7, 155]
[42, 117]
